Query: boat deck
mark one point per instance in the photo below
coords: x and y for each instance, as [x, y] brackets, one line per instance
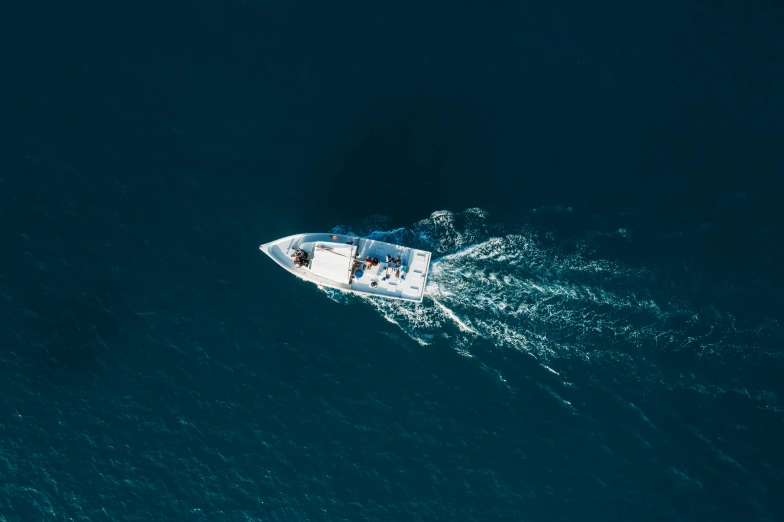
[405, 282]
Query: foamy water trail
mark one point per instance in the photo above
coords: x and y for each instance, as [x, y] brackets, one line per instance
[517, 294]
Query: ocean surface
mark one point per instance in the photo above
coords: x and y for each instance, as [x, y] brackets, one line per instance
[600, 184]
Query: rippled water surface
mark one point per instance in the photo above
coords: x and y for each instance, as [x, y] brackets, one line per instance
[601, 333]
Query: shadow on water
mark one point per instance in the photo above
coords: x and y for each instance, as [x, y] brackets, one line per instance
[405, 159]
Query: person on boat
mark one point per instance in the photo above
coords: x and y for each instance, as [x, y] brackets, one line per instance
[300, 257]
[397, 261]
[389, 258]
[368, 262]
[375, 261]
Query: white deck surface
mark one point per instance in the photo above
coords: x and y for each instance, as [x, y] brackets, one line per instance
[333, 261]
[333, 264]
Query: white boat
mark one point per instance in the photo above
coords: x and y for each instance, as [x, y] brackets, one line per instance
[353, 264]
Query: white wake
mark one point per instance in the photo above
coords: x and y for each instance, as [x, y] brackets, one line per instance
[516, 292]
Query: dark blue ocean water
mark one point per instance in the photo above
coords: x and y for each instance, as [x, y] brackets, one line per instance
[600, 185]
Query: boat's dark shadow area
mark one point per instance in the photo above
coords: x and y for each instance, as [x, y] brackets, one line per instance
[405, 160]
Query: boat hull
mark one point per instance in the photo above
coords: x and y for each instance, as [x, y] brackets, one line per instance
[323, 253]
